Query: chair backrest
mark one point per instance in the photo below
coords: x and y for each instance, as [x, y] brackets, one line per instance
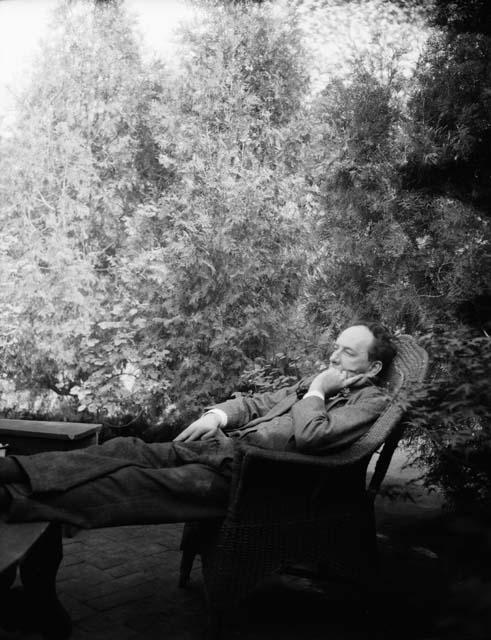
[406, 371]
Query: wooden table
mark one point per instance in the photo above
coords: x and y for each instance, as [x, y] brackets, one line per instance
[32, 436]
[36, 548]
[15, 542]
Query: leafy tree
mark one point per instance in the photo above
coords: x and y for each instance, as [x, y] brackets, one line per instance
[449, 157]
[451, 128]
[152, 224]
[396, 241]
[220, 252]
[450, 426]
[399, 171]
[79, 161]
[353, 182]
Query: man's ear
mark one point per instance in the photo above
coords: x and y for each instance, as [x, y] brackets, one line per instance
[375, 369]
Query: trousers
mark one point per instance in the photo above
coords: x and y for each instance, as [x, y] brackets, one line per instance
[125, 481]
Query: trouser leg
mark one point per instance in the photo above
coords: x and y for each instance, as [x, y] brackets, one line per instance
[62, 470]
[130, 495]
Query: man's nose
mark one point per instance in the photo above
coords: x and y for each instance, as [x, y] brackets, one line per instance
[334, 356]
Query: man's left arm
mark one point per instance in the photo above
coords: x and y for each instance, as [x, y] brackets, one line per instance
[318, 431]
[239, 411]
[233, 413]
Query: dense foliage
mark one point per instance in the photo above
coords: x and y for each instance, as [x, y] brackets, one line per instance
[455, 444]
[152, 224]
[402, 185]
[463, 15]
[219, 252]
[163, 229]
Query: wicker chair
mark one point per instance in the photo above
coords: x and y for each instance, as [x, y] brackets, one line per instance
[288, 510]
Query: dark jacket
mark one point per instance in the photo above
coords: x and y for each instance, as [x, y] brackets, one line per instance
[280, 420]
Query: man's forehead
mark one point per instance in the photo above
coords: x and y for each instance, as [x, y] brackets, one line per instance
[357, 337]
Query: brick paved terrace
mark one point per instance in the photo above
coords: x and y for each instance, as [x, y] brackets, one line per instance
[121, 584]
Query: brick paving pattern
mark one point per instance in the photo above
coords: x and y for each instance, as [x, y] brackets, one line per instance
[121, 584]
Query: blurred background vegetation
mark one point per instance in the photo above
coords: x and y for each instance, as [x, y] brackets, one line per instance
[172, 232]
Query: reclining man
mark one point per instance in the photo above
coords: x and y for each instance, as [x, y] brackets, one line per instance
[128, 481]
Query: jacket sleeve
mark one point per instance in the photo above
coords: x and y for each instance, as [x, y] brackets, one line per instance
[317, 430]
[242, 410]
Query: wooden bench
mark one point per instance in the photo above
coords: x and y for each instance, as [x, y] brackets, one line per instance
[32, 436]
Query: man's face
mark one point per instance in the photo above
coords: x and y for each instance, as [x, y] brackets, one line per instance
[351, 352]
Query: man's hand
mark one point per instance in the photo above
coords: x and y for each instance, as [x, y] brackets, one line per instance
[333, 380]
[202, 429]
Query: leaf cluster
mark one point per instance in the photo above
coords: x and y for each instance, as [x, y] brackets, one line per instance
[450, 424]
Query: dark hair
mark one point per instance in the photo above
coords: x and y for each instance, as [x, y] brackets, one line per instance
[382, 347]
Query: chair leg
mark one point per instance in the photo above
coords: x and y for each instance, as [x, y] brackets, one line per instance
[187, 560]
[7, 578]
[8, 608]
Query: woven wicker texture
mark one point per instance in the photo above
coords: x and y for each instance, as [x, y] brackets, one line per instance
[288, 508]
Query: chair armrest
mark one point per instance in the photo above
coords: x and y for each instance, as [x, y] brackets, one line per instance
[252, 452]
[269, 477]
